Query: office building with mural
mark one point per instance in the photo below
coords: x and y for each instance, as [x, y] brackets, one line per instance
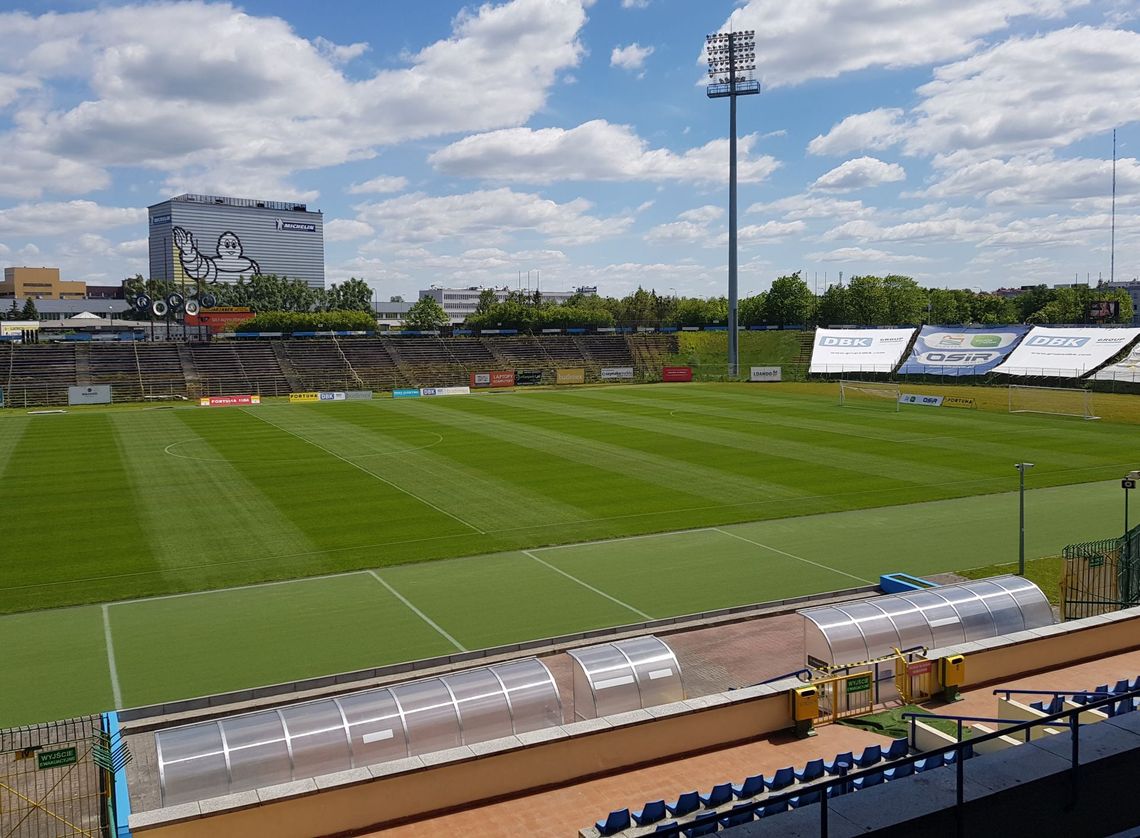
[210, 238]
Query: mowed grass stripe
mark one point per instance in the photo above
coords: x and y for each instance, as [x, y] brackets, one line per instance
[571, 441]
[334, 503]
[11, 431]
[195, 500]
[438, 469]
[71, 494]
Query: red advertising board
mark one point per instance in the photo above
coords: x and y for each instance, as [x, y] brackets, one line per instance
[495, 378]
[228, 401]
[676, 373]
[218, 318]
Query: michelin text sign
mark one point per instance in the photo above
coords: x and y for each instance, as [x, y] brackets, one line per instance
[89, 394]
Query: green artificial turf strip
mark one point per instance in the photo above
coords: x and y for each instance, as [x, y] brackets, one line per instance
[891, 723]
[54, 665]
[1044, 572]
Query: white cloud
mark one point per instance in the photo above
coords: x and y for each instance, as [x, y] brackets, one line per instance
[186, 104]
[860, 173]
[874, 130]
[488, 217]
[343, 230]
[70, 218]
[379, 185]
[768, 231]
[949, 228]
[631, 57]
[814, 39]
[1080, 183]
[338, 53]
[702, 215]
[595, 150]
[635, 4]
[862, 254]
[793, 207]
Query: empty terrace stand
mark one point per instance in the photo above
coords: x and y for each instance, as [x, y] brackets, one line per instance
[230, 369]
[428, 361]
[116, 364]
[606, 350]
[472, 353]
[651, 352]
[38, 375]
[321, 365]
[519, 351]
[373, 363]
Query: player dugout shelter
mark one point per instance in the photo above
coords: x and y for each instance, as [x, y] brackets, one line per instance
[624, 675]
[267, 747]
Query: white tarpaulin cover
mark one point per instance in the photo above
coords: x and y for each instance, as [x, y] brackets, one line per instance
[1065, 351]
[1126, 370]
[859, 350]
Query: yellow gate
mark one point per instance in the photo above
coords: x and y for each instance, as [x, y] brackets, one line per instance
[914, 677]
[850, 694]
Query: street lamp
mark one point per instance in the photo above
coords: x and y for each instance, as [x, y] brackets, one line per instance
[1021, 467]
[1128, 484]
[732, 58]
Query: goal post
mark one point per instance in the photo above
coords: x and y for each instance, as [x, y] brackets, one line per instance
[1054, 401]
[868, 392]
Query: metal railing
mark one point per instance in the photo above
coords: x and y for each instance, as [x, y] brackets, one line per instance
[958, 751]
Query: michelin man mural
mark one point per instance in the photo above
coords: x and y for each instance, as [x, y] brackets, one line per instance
[228, 265]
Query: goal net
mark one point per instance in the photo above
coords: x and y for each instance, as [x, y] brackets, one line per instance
[868, 393]
[1057, 401]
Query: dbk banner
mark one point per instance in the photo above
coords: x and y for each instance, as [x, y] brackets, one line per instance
[1065, 351]
[858, 350]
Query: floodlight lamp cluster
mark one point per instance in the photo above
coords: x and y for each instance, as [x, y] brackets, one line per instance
[731, 55]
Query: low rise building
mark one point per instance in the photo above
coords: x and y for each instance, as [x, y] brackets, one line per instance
[40, 284]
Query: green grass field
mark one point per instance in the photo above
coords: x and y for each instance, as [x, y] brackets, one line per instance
[759, 492]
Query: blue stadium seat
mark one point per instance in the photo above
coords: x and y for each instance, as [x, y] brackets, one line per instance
[902, 771]
[721, 793]
[875, 778]
[1056, 705]
[812, 771]
[899, 749]
[616, 822]
[771, 809]
[935, 761]
[845, 759]
[1037, 705]
[804, 800]
[751, 787]
[737, 815]
[688, 802]
[1102, 688]
[871, 755]
[662, 827]
[783, 778]
[650, 813]
[704, 825]
[1127, 705]
[1135, 685]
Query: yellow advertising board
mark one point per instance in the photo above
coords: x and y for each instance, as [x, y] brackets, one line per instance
[570, 376]
[304, 397]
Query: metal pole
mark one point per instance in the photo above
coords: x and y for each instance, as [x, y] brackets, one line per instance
[732, 335]
[1021, 540]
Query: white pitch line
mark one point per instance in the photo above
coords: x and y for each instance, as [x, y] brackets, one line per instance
[572, 578]
[419, 613]
[251, 586]
[792, 555]
[116, 692]
[613, 540]
[363, 469]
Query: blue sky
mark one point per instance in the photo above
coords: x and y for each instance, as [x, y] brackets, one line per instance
[966, 144]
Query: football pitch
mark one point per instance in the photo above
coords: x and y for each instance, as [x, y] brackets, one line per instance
[577, 509]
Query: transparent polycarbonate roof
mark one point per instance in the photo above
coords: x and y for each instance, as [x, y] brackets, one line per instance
[935, 617]
[258, 749]
[624, 675]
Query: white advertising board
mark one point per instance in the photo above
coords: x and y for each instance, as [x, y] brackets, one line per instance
[1126, 370]
[89, 394]
[1065, 351]
[915, 398]
[766, 374]
[445, 391]
[859, 350]
[616, 373]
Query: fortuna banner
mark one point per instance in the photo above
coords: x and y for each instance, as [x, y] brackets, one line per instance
[858, 350]
[228, 401]
[943, 350]
[1065, 352]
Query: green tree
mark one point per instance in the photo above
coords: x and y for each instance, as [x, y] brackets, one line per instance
[1031, 301]
[903, 300]
[751, 309]
[426, 314]
[790, 302]
[946, 306]
[487, 301]
[866, 304]
[13, 311]
[29, 312]
[992, 310]
[833, 308]
[352, 295]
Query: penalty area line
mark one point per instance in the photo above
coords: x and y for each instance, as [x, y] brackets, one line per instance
[793, 556]
[417, 611]
[116, 692]
[588, 586]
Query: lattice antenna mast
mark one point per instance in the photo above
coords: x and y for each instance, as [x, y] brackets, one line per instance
[732, 58]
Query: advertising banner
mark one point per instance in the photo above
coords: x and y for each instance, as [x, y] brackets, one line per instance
[959, 401]
[858, 350]
[406, 393]
[317, 397]
[676, 373]
[617, 374]
[528, 378]
[495, 378]
[942, 350]
[766, 374]
[358, 395]
[89, 394]
[1126, 370]
[913, 398]
[445, 391]
[1065, 351]
[570, 376]
[228, 401]
[1, 396]
[218, 318]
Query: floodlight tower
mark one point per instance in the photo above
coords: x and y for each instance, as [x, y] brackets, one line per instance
[732, 58]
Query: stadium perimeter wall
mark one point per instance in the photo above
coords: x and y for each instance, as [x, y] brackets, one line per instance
[412, 788]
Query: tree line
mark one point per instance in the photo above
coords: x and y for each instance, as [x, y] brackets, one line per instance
[863, 301]
[264, 293]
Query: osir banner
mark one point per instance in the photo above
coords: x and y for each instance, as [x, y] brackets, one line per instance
[941, 350]
[1065, 351]
[228, 401]
[616, 373]
[913, 398]
[858, 350]
[89, 394]
[570, 376]
[1126, 370]
[766, 374]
